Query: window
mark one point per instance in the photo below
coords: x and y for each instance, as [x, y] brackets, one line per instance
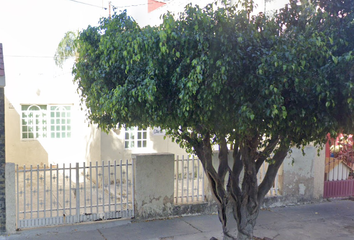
[34, 121]
[42, 121]
[60, 122]
[135, 138]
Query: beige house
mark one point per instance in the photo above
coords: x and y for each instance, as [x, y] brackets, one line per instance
[44, 120]
[45, 125]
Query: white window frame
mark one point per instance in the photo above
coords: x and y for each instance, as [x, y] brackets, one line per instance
[135, 138]
[31, 118]
[60, 121]
[45, 111]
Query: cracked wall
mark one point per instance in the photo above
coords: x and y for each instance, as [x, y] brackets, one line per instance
[154, 185]
[304, 174]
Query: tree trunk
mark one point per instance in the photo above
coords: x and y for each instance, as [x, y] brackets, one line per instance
[233, 230]
[239, 200]
[245, 231]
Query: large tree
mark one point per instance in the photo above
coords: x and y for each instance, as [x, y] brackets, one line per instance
[217, 75]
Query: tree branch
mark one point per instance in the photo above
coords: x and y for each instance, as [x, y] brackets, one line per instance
[233, 185]
[237, 166]
[234, 176]
[249, 183]
[249, 200]
[223, 160]
[272, 171]
[266, 152]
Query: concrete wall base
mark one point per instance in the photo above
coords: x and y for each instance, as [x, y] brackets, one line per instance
[192, 209]
[283, 201]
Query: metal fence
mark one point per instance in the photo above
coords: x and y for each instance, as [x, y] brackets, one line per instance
[339, 178]
[189, 180]
[54, 195]
[337, 169]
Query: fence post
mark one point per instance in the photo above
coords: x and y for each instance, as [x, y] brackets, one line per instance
[2, 159]
[177, 178]
[77, 192]
[154, 185]
[10, 198]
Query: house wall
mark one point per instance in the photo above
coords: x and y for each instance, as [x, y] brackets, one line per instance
[45, 84]
[22, 153]
[41, 82]
[87, 143]
[303, 177]
[112, 145]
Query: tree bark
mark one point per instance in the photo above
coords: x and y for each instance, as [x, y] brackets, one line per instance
[239, 201]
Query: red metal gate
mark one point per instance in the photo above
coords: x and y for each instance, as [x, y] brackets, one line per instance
[339, 167]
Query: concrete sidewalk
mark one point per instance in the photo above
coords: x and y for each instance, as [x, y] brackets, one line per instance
[322, 221]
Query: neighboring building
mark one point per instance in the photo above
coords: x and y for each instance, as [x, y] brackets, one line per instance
[45, 123]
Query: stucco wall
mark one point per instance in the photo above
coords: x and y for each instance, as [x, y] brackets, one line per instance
[302, 181]
[112, 146]
[40, 82]
[92, 144]
[83, 146]
[10, 198]
[303, 176]
[17, 151]
[300, 178]
[154, 185]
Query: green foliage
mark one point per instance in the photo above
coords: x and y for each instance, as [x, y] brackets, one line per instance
[218, 71]
[66, 48]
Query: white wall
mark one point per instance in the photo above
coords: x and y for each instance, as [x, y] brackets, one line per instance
[43, 84]
[304, 174]
[36, 80]
[112, 146]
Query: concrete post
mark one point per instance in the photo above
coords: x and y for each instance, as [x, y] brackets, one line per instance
[319, 171]
[10, 198]
[2, 163]
[154, 185]
[303, 180]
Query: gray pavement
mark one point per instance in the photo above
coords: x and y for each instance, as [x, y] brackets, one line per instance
[322, 221]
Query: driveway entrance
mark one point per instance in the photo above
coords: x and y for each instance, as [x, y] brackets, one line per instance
[339, 168]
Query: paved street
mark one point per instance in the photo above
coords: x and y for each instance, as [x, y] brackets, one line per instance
[322, 221]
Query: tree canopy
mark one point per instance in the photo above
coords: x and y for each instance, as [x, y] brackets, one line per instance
[217, 75]
[218, 70]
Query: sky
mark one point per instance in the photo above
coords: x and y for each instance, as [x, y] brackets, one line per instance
[35, 27]
[30, 30]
